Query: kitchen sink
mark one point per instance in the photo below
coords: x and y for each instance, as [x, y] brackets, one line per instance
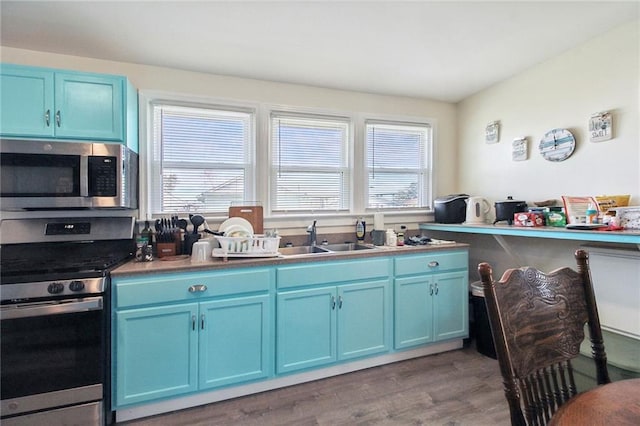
[347, 247]
[292, 251]
[301, 250]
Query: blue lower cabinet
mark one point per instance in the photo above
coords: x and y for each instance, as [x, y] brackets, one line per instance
[192, 333]
[364, 319]
[157, 353]
[306, 329]
[319, 326]
[413, 312]
[234, 343]
[451, 306]
[181, 333]
[431, 298]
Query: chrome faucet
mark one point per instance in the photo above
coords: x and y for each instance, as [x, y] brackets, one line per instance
[311, 229]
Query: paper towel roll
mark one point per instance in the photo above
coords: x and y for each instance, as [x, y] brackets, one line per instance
[378, 221]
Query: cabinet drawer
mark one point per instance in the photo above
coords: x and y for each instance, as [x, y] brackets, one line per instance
[332, 272]
[163, 288]
[431, 262]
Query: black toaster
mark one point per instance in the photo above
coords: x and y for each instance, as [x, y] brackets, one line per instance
[451, 208]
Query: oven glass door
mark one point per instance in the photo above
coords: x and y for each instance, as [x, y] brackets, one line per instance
[50, 352]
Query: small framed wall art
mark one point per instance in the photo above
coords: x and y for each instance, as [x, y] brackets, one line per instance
[600, 127]
[519, 149]
[492, 132]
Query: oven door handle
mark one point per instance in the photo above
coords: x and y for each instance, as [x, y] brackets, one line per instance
[50, 308]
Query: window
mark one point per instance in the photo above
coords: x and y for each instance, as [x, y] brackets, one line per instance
[309, 163]
[201, 158]
[398, 165]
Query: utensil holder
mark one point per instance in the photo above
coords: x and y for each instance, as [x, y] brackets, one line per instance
[189, 239]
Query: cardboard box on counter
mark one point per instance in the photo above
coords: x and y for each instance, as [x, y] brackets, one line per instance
[528, 219]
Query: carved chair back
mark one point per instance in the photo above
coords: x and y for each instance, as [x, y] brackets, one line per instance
[538, 321]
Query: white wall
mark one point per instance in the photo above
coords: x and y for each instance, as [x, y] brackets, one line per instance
[146, 78]
[601, 75]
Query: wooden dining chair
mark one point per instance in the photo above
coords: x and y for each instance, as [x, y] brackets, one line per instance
[537, 321]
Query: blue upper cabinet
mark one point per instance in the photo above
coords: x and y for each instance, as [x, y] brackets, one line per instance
[89, 106]
[67, 105]
[27, 102]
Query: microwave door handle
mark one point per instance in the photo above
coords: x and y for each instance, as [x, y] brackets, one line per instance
[84, 176]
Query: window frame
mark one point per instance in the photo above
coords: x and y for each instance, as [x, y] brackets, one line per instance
[261, 153]
[348, 151]
[150, 161]
[427, 174]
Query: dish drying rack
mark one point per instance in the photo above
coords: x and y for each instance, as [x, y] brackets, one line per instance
[249, 246]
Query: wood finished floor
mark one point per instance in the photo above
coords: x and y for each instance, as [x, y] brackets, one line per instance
[455, 388]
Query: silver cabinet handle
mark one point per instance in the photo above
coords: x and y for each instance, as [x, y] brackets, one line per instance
[197, 288]
[333, 302]
[436, 289]
[433, 264]
[47, 117]
[340, 302]
[58, 118]
[193, 322]
[202, 322]
[431, 290]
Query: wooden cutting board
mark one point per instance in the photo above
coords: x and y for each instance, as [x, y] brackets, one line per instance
[253, 214]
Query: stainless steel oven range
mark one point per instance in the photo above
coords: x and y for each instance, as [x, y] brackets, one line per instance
[55, 319]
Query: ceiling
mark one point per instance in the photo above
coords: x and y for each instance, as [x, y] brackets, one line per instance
[443, 50]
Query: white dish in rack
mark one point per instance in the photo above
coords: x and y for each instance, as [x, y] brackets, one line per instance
[236, 224]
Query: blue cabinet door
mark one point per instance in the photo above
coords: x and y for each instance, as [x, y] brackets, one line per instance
[27, 106]
[234, 341]
[451, 305]
[306, 327]
[156, 353]
[364, 319]
[413, 311]
[89, 107]
[45, 103]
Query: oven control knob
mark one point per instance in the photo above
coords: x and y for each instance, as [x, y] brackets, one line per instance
[55, 288]
[76, 286]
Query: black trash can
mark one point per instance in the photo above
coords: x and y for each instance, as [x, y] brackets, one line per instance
[481, 327]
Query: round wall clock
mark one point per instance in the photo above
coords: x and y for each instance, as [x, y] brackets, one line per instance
[557, 145]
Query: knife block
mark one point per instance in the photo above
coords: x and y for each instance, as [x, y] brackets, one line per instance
[166, 249]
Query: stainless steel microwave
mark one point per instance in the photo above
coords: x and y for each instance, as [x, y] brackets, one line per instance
[41, 175]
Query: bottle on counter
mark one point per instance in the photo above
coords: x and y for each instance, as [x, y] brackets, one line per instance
[405, 233]
[361, 229]
[147, 233]
[401, 235]
[392, 239]
[592, 214]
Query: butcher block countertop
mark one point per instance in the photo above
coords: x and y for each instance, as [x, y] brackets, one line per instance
[184, 263]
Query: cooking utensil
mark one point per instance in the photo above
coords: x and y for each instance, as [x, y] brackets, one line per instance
[196, 220]
[506, 209]
[209, 231]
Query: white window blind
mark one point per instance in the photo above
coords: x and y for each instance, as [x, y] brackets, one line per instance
[310, 163]
[201, 159]
[398, 165]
